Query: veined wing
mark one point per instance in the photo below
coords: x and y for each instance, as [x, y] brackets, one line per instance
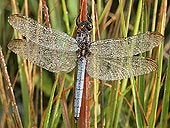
[129, 46]
[42, 35]
[119, 68]
[49, 59]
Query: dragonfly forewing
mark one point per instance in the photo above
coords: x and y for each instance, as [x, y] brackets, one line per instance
[49, 59]
[129, 46]
[42, 35]
[119, 68]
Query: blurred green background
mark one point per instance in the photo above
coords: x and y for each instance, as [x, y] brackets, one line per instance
[139, 102]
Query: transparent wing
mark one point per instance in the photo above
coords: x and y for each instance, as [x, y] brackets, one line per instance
[119, 68]
[51, 60]
[126, 46]
[42, 35]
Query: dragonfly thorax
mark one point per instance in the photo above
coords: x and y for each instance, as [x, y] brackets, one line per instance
[83, 37]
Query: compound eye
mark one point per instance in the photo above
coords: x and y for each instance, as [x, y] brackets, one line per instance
[90, 26]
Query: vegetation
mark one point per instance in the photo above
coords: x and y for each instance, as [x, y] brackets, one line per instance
[44, 99]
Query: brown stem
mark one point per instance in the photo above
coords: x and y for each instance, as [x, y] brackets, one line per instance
[11, 96]
[84, 119]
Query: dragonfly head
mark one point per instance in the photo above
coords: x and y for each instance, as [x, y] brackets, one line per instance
[84, 25]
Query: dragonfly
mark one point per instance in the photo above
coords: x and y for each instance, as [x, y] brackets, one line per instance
[109, 59]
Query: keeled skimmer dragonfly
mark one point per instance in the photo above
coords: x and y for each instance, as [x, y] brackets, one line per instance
[110, 59]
